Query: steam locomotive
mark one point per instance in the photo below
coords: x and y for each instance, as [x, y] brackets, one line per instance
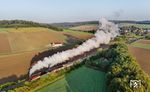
[38, 73]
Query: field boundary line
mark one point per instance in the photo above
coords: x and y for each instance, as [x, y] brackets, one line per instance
[44, 85]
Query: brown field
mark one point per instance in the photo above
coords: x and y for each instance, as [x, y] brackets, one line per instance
[33, 41]
[15, 64]
[4, 44]
[142, 56]
[85, 27]
[29, 39]
[23, 44]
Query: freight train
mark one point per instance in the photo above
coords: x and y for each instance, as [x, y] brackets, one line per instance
[38, 73]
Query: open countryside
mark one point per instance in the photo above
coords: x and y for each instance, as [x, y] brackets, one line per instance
[80, 80]
[31, 39]
[74, 46]
[20, 46]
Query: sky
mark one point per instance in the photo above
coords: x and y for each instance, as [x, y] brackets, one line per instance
[54, 11]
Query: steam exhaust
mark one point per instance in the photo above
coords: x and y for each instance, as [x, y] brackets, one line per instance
[107, 31]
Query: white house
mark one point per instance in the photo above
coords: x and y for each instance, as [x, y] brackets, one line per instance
[56, 44]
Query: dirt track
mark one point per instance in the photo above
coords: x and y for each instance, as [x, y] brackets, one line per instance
[142, 56]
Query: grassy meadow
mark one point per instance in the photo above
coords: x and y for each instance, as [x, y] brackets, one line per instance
[80, 80]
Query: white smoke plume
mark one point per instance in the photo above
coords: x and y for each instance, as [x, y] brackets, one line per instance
[104, 34]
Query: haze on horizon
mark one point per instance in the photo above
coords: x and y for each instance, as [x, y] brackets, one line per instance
[52, 11]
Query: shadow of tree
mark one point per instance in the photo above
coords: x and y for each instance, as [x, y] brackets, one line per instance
[12, 78]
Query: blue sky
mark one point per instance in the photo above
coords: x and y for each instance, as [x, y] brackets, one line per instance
[50, 11]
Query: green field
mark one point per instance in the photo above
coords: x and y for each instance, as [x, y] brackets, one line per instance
[141, 45]
[80, 80]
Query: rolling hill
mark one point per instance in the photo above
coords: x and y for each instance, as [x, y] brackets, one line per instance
[33, 38]
[19, 46]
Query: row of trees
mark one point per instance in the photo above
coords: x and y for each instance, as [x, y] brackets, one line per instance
[120, 69]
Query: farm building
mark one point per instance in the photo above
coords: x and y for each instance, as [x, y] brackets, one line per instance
[54, 45]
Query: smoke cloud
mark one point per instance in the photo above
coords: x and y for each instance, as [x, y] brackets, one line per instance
[104, 34]
[119, 13]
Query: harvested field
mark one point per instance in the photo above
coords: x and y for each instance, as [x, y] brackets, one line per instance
[85, 27]
[4, 44]
[14, 65]
[19, 46]
[142, 56]
[29, 39]
[33, 41]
